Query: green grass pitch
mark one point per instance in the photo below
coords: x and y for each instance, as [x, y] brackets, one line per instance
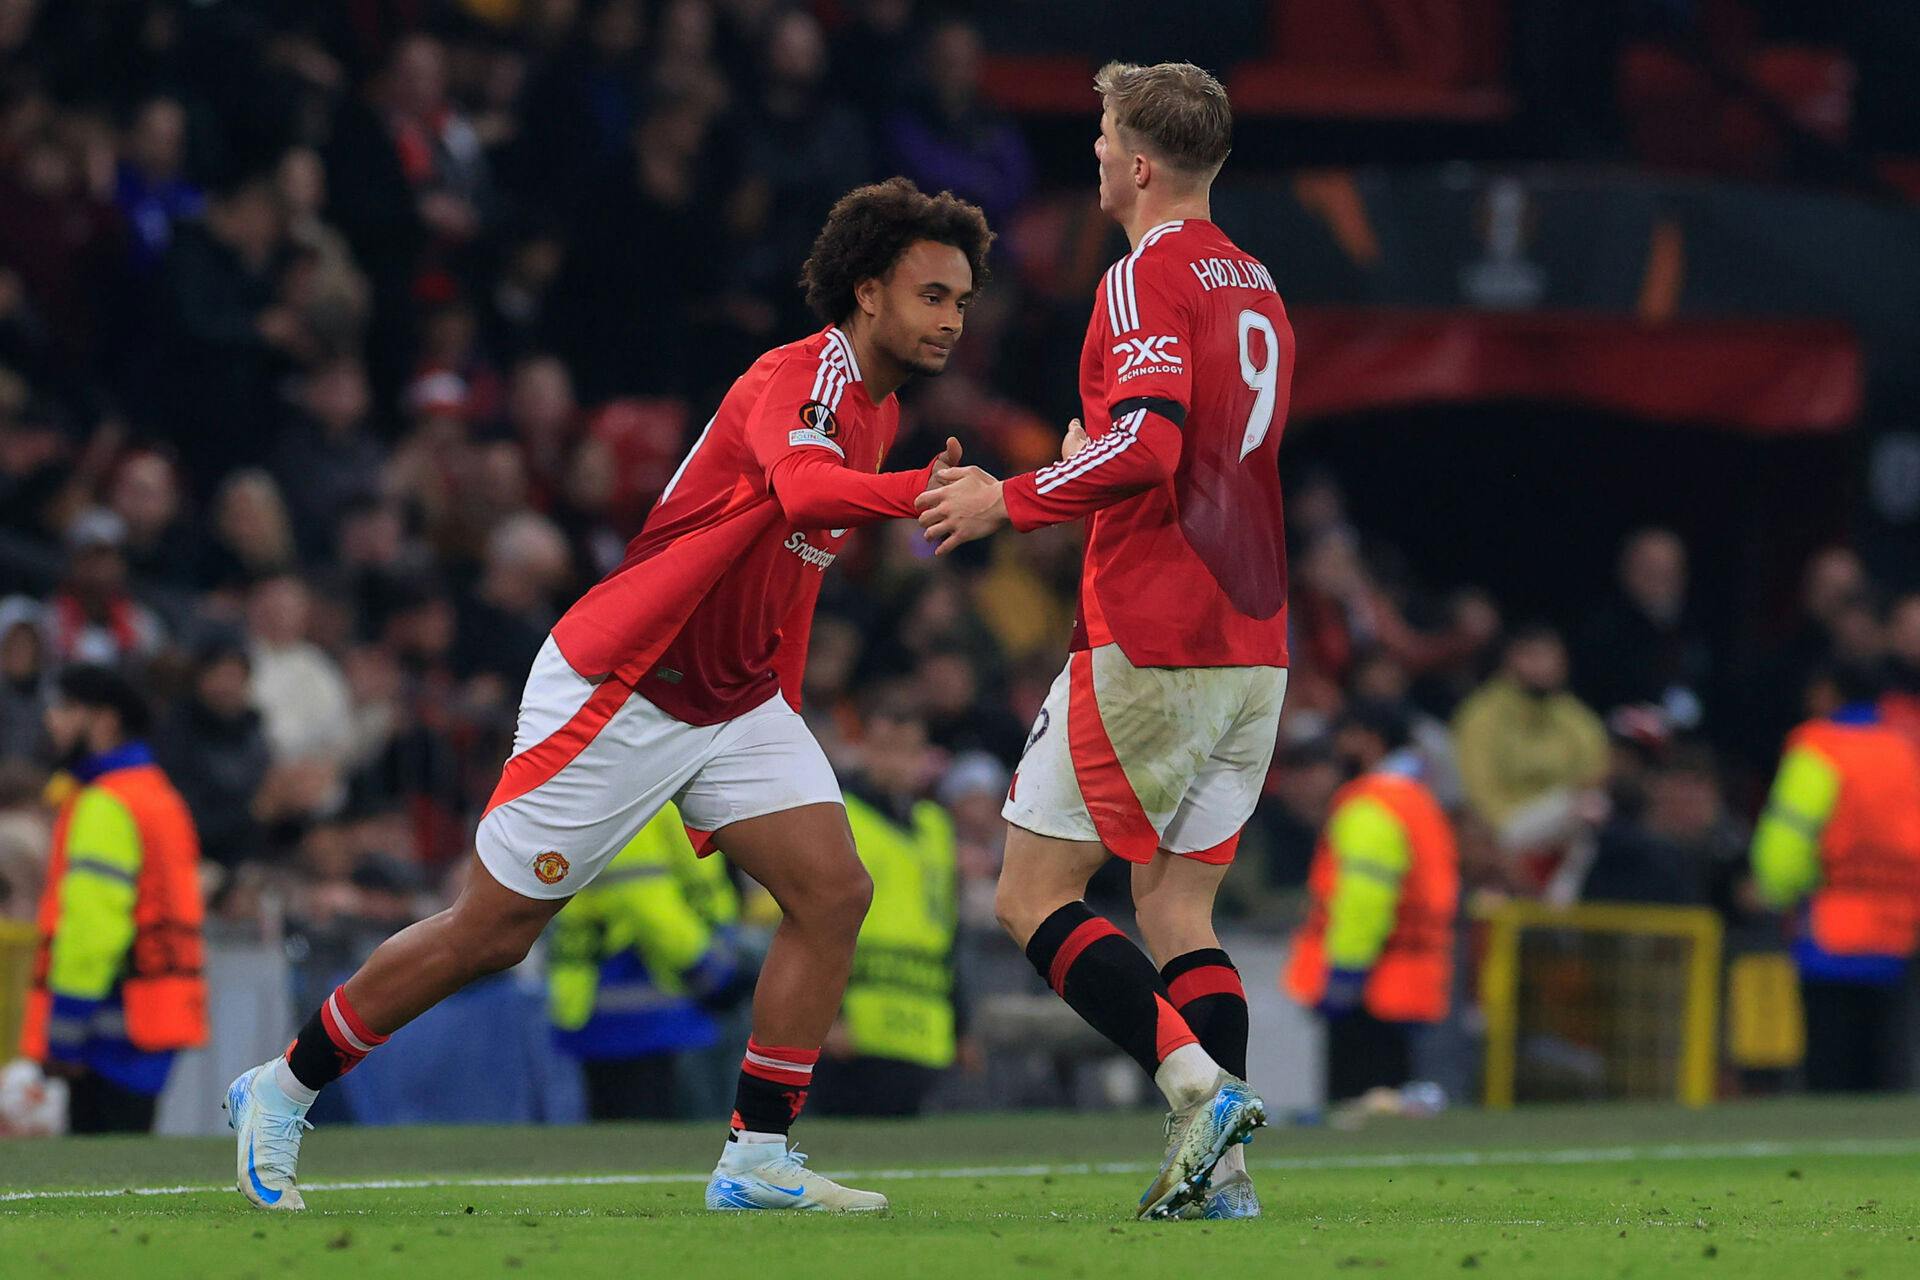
[1796, 1190]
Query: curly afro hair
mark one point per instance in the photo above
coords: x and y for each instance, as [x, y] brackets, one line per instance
[871, 226]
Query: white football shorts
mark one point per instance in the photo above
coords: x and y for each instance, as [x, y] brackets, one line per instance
[1144, 759]
[593, 762]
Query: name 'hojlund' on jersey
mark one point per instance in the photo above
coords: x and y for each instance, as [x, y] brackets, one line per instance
[1235, 273]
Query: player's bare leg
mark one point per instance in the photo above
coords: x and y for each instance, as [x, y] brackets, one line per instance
[1111, 983]
[1173, 901]
[488, 928]
[1091, 964]
[805, 858]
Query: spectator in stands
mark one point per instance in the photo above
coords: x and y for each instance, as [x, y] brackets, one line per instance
[544, 417]
[1642, 647]
[516, 308]
[93, 618]
[961, 715]
[26, 831]
[1532, 757]
[581, 109]
[1833, 592]
[162, 548]
[440, 153]
[1677, 843]
[947, 137]
[1900, 704]
[873, 54]
[36, 457]
[327, 456]
[299, 690]
[212, 744]
[450, 344]
[681, 60]
[61, 236]
[151, 188]
[798, 151]
[252, 533]
[1340, 613]
[505, 619]
[226, 335]
[24, 679]
[376, 559]
[651, 229]
[332, 296]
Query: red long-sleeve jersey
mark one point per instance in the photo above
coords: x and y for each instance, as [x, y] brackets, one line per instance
[709, 613]
[1184, 382]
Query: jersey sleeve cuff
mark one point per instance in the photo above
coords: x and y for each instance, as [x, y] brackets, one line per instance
[1023, 502]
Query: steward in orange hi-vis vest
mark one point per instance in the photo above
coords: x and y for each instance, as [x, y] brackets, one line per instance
[1385, 880]
[118, 983]
[1838, 850]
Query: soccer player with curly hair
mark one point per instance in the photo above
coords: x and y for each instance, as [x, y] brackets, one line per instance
[677, 679]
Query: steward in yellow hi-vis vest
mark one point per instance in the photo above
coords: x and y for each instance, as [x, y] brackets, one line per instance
[118, 984]
[897, 1023]
[639, 962]
[1839, 847]
[1376, 954]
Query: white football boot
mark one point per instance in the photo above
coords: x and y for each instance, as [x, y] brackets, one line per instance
[766, 1175]
[1230, 1192]
[268, 1125]
[1197, 1137]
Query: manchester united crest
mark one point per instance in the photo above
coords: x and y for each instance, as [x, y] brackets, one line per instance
[551, 867]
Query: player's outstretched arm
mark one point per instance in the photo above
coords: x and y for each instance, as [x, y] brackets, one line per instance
[815, 491]
[1139, 453]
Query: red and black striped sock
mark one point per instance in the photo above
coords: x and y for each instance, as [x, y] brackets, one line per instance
[773, 1087]
[1110, 982]
[1205, 987]
[332, 1043]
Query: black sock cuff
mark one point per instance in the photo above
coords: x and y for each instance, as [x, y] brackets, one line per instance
[1192, 960]
[1053, 933]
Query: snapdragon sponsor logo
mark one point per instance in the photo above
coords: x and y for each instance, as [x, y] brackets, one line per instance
[818, 557]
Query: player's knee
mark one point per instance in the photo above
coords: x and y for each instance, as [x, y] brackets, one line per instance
[1020, 910]
[852, 897]
[494, 942]
[835, 900]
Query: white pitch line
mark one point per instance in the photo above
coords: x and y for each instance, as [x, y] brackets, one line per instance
[1667, 1152]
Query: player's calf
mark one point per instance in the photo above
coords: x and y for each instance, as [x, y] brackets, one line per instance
[1093, 966]
[488, 929]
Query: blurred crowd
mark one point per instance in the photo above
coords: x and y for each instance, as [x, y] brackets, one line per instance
[342, 346]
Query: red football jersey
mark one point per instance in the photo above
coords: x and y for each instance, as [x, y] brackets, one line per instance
[1184, 383]
[710, 611]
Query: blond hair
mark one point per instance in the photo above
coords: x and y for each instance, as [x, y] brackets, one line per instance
[1177, 109]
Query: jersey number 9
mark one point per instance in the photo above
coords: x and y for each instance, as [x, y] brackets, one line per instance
[1260, 379]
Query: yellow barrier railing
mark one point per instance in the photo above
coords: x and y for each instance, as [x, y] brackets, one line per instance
[1695, 990]
[17, 941]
